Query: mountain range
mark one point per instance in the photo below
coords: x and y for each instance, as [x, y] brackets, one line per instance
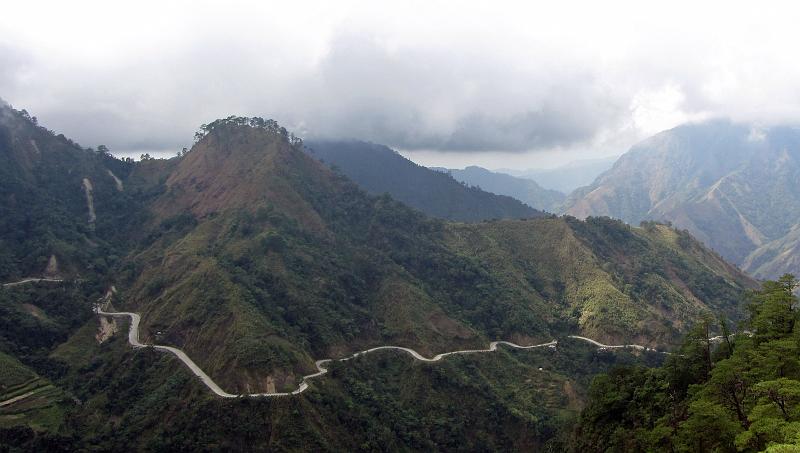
[732, 186]
[257, 259]
[525, 190]
[245, 220]
[565, 178]
[379, 169]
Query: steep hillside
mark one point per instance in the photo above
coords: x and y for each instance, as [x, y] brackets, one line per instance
[379, 170]
[525, 190]
[26, 397]
[739, 394]
[34, 320]
[777, 256]
[61, 210]
[260, 259]
[510, 400]
[733, 187]
[606, 279]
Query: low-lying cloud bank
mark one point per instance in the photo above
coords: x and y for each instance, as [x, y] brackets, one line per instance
[425, 76]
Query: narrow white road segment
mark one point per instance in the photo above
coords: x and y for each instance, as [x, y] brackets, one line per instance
[620, 346]
[133, 339]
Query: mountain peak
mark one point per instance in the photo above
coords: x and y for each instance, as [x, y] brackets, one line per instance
[234, 123]
[244, 163]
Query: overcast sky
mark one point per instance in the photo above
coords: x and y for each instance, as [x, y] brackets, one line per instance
[450, 83]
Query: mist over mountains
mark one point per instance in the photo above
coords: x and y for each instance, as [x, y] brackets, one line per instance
[733, 186]
[525, 190]
[379, 169]
[567, 177]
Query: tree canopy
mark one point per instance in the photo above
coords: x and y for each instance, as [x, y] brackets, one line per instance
[738, 394]
[269, 125]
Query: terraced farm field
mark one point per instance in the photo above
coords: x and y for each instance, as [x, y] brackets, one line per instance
[26, 398]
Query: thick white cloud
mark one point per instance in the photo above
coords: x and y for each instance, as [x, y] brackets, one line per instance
[450, 82]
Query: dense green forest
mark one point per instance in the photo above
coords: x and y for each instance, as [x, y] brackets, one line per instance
[256, 260]
[44, 213]
[738, 394]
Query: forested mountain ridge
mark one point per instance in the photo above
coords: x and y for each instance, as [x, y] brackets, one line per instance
[64, 214]
[525, 190]
[257, 259]
[247, 220]
[379, 169]
[231, 270]
[63, 210]
[732, 186]
[609, 281]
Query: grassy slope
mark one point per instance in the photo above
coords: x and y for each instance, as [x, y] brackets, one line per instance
[30, 327]
[42, 410]
[44, 212]
[34, 320]
[610, 281]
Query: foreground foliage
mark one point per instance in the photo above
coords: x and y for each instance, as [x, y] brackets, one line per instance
[742, 394]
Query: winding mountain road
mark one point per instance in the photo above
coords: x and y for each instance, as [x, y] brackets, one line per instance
[133, 339]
